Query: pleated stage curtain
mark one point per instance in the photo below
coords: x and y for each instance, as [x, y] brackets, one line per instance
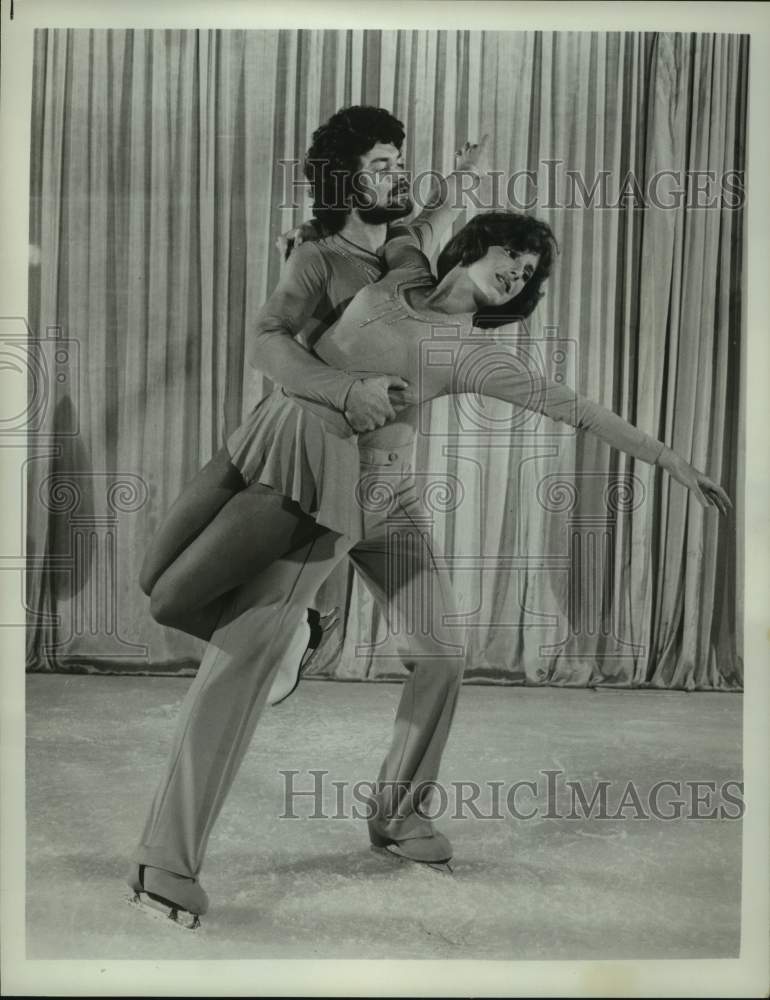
[158, 190]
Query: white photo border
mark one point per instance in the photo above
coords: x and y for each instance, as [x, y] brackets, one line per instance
[746, 976]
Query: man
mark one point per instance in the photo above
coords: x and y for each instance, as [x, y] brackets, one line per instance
[359, 186]
[355, 156]
[354, 162]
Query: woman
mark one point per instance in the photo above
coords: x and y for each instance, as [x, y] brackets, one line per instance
[490, 274]
[254, 479]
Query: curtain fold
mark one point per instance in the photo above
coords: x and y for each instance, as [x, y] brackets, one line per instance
[161, 175]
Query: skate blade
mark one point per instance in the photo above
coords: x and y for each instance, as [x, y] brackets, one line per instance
[160, 911]
[392, 851]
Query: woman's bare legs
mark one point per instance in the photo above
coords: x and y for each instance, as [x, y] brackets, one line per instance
[203, 497]
[217, 535]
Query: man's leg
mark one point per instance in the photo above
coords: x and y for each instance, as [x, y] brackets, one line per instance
[398, 562]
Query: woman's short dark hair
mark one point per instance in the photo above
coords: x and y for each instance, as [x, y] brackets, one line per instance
[514, 231]
[334, 157]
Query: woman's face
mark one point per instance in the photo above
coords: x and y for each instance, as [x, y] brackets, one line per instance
[501, 274]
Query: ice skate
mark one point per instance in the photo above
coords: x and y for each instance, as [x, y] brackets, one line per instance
[287, 677]
[300, 655]
[322, 626]
[168, 896]
[433, 852]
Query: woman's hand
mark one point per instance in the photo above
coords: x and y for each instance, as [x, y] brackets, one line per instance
[707, 492]
[304, 232]
[472, 156]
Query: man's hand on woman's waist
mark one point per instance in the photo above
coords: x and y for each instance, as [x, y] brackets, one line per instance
[373, 402]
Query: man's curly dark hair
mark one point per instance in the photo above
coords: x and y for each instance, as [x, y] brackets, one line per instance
[334, 157]
[512, 230]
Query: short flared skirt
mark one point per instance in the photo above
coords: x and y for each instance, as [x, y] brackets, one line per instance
[305, 451]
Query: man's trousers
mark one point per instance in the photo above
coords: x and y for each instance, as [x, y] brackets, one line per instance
[398, 563]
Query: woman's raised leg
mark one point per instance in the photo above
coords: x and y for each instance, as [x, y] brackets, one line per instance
[200, 500]
[253, 529]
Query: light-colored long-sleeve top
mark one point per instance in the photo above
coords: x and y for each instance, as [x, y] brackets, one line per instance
[381, 332]
[316, 285]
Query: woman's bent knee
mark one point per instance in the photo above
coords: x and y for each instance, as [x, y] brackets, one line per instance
[148, 577]
[164, 607]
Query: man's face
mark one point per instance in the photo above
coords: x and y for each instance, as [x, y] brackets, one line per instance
[382, 186]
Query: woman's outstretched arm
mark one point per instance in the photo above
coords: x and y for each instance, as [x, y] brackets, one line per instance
[492, 370]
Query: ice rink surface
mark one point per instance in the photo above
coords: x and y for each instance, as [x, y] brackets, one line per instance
[548, 887]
